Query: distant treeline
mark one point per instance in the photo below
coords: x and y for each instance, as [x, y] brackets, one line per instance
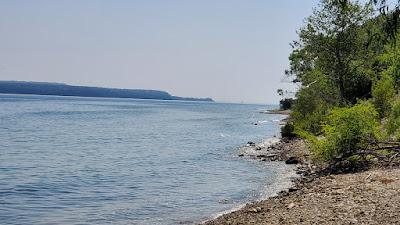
[59, 89]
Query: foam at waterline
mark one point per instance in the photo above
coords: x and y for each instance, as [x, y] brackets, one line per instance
[252, 150]
[283, 182]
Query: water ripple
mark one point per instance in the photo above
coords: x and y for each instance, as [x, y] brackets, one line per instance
[67, 160]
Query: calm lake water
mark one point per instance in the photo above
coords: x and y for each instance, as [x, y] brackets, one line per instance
[69, 160]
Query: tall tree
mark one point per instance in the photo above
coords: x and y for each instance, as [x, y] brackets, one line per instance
[391, 11]
[330, 42]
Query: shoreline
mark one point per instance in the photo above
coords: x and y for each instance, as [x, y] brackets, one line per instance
[322, 194]
[278, 148]
[256, 151]
[271, 150]
[276, 111]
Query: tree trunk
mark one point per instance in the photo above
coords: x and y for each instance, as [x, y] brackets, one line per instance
[340, 69]
[341, 90]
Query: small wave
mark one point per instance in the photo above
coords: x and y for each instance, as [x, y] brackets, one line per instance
[283, 181]
[252, 150]
[236, 208]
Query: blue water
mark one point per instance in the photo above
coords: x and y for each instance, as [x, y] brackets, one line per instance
[69, 160]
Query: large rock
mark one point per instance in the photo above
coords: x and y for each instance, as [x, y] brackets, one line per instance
[292, 160]
[250, 143]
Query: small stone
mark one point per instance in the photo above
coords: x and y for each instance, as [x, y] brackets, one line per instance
[241, 155]
[291, 205]
[223, 201]
[283, 193]
[253, 210]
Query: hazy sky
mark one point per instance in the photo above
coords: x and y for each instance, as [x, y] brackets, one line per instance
[230, 50]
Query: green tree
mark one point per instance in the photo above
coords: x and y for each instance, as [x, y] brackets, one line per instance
[391, 60]
[383, 93]
[345, 131]
[393, 123]
[331, 42]
[280, 92]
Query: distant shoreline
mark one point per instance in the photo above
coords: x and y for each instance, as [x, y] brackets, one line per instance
[59, 89]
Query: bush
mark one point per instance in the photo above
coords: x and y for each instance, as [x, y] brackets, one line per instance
[313, 103]
[286, 103]
[383, 93]
[288, 130]
[346, 131]
[393, 122]
[312, 122]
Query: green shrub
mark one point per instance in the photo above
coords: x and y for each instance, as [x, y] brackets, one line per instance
[369, 157]
[286, 103]
[345, 131]
[393, 122]
[383, 93]
[386, 152]
[354, 158]
[288, 130]
[311, 122]
[313, 103]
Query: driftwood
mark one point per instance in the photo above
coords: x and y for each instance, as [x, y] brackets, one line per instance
[393, 146]
[342, 164]
[375, 147]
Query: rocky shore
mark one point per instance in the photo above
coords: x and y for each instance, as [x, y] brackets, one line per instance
[324, 194]
[276, 111]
